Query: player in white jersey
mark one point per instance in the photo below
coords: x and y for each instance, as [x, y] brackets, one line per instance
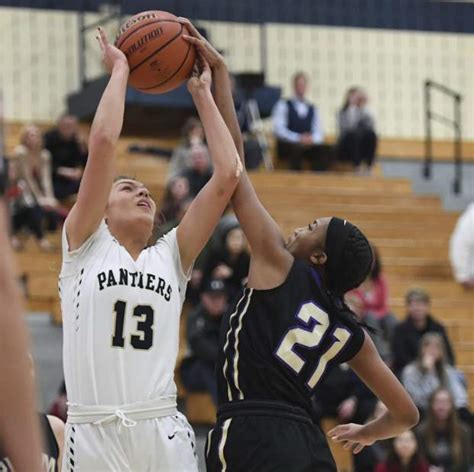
[121, 300]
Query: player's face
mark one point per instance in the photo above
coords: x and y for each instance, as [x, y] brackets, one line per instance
[308, 242]
[130, 202]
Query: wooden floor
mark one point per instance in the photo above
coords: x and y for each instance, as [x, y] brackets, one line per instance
[411, 232]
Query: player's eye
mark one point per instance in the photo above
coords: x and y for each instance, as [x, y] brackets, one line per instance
[127, 188]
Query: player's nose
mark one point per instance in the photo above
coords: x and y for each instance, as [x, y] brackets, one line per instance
[143, 192]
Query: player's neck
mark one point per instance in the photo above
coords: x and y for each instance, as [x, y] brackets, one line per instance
[134, 244]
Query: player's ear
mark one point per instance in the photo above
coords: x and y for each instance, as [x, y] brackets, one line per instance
[318, 257]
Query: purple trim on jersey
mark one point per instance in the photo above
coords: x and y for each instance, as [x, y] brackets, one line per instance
[316, 277]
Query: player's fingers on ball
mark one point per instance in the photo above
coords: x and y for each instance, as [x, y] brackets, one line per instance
[103, 36]
[99, 39]
[192, 29]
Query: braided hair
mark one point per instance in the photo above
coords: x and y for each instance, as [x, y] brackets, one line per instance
[349, 261]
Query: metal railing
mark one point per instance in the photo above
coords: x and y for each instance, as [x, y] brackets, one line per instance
[454, 123]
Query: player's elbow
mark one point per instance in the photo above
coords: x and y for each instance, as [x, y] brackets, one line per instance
[229, 174]
[102, 142]
[408, 417]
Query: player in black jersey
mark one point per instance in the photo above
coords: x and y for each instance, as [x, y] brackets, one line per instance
[287, 330]
[52, 430]
[52, 435]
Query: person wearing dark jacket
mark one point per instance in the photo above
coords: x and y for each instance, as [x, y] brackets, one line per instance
[407, 334]
[203, 327]
[68, 156]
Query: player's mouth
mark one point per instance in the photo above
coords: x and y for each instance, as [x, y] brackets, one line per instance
[144, 203]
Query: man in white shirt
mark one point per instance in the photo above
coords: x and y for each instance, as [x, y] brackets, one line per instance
[461, 248]
[297, 127]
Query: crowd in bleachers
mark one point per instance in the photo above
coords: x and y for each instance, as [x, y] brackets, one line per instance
[45, 174]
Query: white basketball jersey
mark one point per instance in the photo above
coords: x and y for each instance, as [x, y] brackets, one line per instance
[120, 319]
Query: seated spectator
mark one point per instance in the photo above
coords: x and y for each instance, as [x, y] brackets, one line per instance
[298, 130]
[176, 192]
[191, 134]
[356, 304]
[229, 261]
[357, 139]
[203, 327]
[461, 248]
[430, 371]
[407, 334]
[25, 211]
[33, 167]
[68, 156]
[404, 456]
[200, 171]
[444, 440]
[374, 295]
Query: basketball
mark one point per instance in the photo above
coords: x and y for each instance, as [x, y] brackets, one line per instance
[160, 59]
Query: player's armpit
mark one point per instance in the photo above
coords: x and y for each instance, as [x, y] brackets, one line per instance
[401, 413]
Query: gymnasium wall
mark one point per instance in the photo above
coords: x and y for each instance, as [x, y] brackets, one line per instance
[40, 65]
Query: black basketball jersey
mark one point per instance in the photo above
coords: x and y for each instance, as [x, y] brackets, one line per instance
[50, 449]
[277, 344]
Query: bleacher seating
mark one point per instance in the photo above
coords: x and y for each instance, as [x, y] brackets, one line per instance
[411, 232]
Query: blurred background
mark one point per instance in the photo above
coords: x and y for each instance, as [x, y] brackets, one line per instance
[385, 138]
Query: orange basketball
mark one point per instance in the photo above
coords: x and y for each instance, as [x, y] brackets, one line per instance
[159, 58]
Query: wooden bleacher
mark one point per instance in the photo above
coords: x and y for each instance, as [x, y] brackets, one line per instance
[410, 231]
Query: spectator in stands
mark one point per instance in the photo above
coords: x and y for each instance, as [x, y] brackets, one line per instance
[445, 441]
[33, 168]
[228, 261]
[297, 127]
[200, 171]
[203, 327]
[69, 154]
[404, 455]
[374, 295]
[355, 302]
[461, 248]
[431, 371]
[407, 334]
[192, 134]
[176, 193]
[357, 139]
[25, 211]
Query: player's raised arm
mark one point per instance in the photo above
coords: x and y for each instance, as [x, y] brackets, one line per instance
[99, 173]
[200, 220]
[262, 232]
[401, 413]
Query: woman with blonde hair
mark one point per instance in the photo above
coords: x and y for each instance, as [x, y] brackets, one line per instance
[33, 203]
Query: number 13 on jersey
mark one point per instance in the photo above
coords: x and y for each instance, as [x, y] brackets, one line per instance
[311, 338]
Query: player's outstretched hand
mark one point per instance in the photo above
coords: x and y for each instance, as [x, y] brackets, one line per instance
[111, 56]
[353, 436]
[203, 46]
[201, 77]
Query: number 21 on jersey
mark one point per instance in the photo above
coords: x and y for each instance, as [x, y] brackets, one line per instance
[302, 335]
